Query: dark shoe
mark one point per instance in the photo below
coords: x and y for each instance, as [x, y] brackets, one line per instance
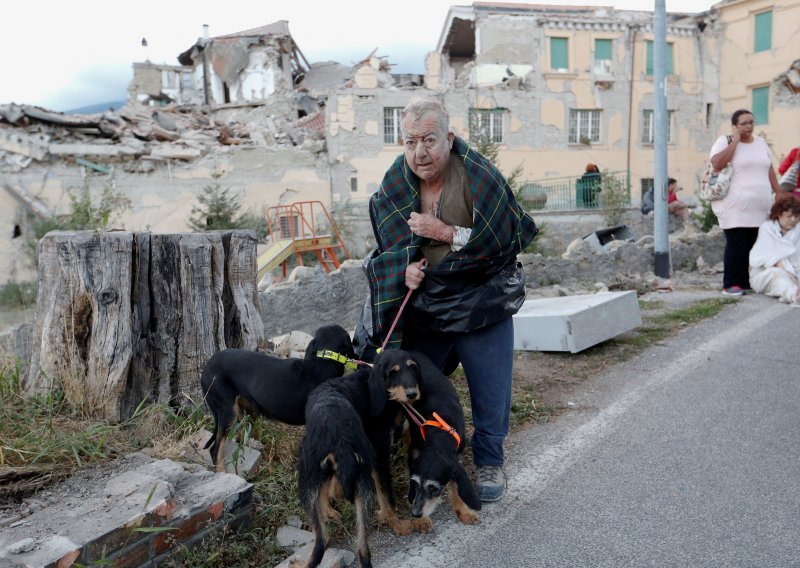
[491, 483]
[733, 291]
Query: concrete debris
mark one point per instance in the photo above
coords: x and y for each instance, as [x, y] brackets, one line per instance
[134, 132]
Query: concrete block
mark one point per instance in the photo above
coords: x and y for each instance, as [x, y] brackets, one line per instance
[291, 537]
[574, 323]
[239, 460]
[102, 525]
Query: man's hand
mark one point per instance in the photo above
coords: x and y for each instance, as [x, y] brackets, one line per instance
[415, 274]
[429, 226]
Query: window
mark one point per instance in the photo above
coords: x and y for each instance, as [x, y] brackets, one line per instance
[584, 126]
[486, 126]
[649, 62]
[353, 184]
[186, 81]
[763, 32]
[761, 105]
[392, 125]
[559, 57]
[602, 56]
[648, 126]
[169, 80]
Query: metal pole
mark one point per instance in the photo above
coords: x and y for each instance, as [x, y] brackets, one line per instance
[661, 213]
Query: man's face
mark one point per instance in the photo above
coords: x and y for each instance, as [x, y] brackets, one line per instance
[426, 146]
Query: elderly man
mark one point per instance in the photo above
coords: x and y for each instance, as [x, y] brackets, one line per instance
[443, 203]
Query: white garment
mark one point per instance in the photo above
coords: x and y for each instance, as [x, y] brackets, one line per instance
[771, 248]
[750, 195]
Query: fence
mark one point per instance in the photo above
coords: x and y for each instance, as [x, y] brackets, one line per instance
[612, 190]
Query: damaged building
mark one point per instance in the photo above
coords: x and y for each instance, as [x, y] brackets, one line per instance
[554, 86]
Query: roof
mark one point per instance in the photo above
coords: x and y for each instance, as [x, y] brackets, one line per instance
[279, 28]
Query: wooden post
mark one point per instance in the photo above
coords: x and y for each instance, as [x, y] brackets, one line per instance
[125, 316]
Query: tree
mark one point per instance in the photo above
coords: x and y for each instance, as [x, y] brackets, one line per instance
[219, 210]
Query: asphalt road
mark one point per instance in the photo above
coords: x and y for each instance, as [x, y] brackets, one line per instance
[688, 455]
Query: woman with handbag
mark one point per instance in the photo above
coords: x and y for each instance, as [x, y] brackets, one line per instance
[749, 198]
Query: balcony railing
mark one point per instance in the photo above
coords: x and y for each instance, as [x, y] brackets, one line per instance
[557, 194]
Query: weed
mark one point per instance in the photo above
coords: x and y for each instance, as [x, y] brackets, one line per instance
[706, 219]
[84, 214]
[616, 198]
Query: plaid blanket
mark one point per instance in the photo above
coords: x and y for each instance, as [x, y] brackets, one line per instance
[501, 230]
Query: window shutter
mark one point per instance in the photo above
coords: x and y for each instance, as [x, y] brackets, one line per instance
[558, 53]
[761, 105]
[763, 39]
[602, 49]
[669, 70]
[648, 70]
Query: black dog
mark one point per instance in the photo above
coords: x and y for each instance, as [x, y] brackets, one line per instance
[236, 381]
[399, 372]
[337, 459]
[435, 447]
[349, 424]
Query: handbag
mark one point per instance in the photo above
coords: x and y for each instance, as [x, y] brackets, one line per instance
[788, 181]
[715, 184]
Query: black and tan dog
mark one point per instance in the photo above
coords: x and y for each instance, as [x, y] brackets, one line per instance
[434, 450]
[235, 381]
[345, 451]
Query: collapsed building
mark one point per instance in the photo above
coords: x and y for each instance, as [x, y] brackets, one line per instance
[553, 86]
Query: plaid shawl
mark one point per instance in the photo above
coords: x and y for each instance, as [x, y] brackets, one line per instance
[501, 229]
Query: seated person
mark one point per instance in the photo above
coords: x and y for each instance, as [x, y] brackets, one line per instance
[675, 205]
[775, 258]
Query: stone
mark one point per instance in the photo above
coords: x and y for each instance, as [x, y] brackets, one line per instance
[291, 537]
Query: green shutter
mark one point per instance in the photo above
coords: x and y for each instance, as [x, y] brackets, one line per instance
[761, 105]
[649, 59]
[558, 53]
[669, 70]
[602, 49]
[763, 31]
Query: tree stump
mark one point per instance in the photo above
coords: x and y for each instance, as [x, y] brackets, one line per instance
[122, 317]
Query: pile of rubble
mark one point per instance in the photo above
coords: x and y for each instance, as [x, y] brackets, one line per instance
[138, 134]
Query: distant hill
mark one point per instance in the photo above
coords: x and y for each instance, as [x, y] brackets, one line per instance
[95, 108]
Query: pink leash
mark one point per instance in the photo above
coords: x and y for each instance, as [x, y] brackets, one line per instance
[422, 265]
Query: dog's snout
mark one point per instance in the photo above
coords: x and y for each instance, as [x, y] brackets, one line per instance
[412, 394]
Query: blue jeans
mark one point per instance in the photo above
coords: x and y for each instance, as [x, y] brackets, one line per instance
[487, 355]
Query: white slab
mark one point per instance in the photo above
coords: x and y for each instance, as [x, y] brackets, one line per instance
[574, 323]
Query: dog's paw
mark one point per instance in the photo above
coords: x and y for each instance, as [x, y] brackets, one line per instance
[423, 524]
[401, 528]
[467, 516]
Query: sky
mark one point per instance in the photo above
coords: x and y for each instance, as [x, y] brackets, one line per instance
[63, 55]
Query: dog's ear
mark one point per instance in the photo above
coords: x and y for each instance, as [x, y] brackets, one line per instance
[311, 350]
[377, 389]
[464, 487]
[413, 484]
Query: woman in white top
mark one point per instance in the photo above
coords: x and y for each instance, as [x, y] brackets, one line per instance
[775, 258]
[749, 198]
